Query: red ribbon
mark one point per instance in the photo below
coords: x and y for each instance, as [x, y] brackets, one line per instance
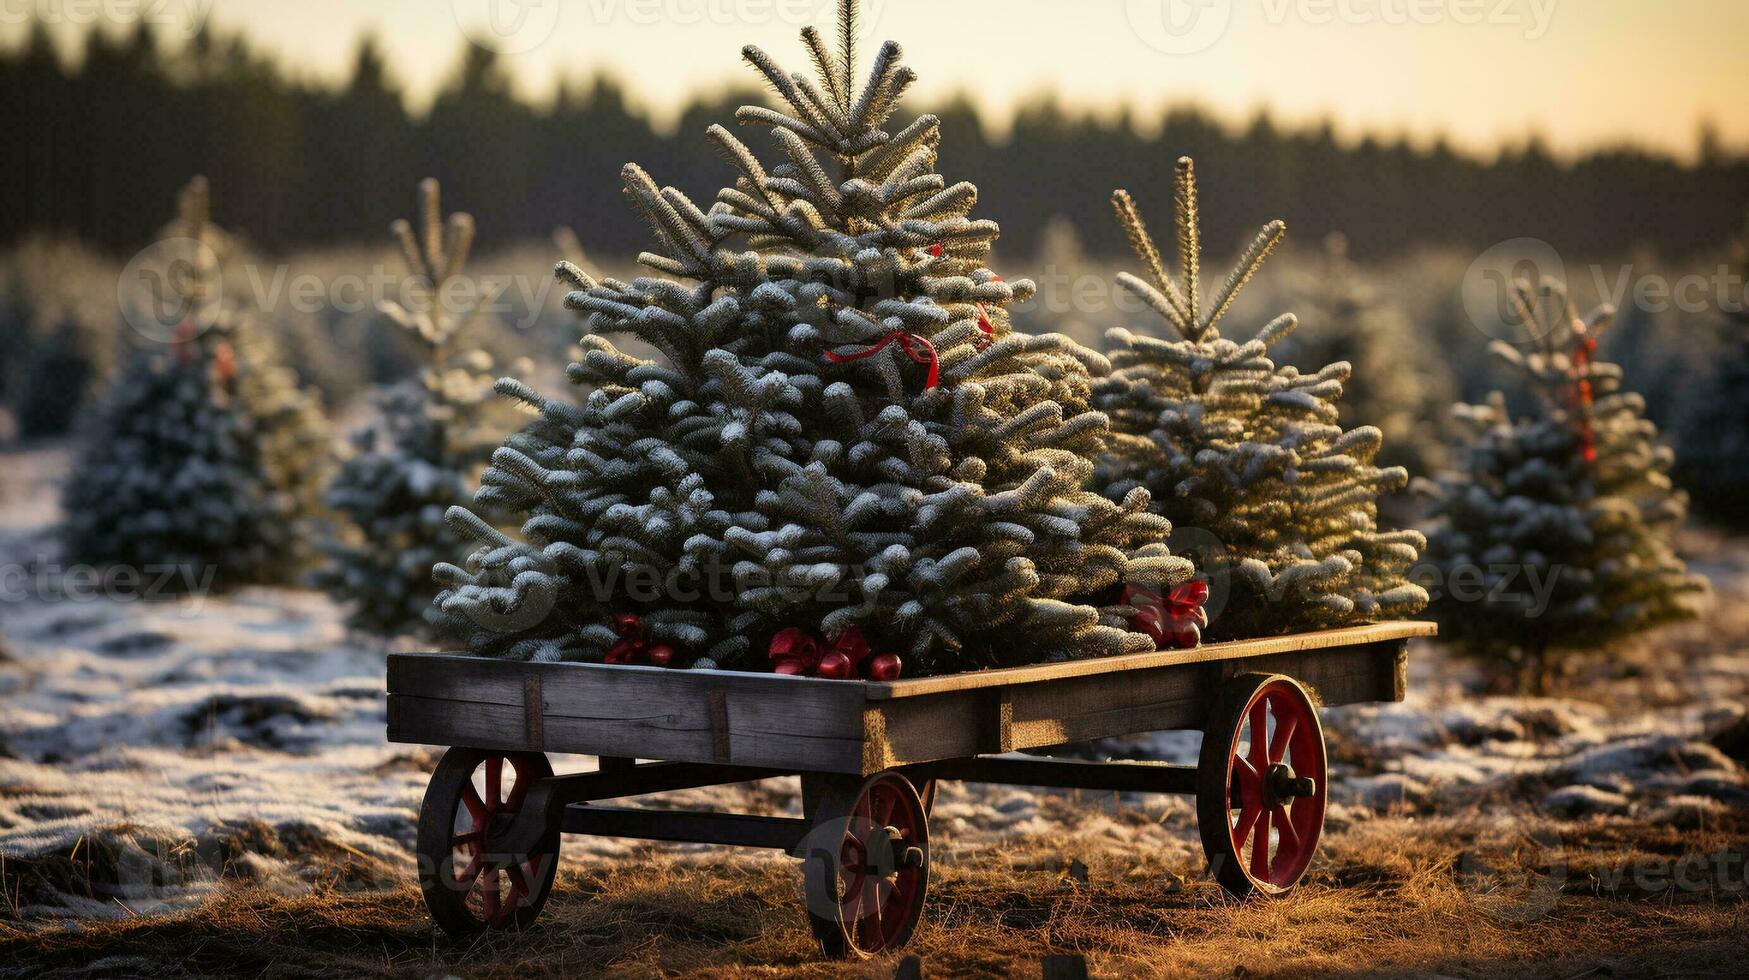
[909, 343]
[1176, 619]
[795, 651]
[183, 340]
[633, 645]
[1584, 349]
[225, 363]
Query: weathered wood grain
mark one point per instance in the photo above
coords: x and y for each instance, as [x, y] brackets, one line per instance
[1230, 650]
[813, 725]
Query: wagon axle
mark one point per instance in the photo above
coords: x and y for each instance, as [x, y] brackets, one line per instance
[1283, 784]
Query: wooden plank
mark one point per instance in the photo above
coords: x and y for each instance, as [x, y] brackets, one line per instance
[1230, 650]
[729, 829]
[1124, 776]
[950, 724]
[683, 716]
[809, 724]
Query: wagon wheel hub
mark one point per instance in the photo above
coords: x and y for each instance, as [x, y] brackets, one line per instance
[1285, 785]
[884, 853]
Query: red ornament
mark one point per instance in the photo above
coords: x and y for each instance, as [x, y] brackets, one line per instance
[916, 346]
[884, 667]
[633, 645]
[797, 652]
[835, 666]
[794, 651]
[935, 250]
[1173, 621]
[852, 646]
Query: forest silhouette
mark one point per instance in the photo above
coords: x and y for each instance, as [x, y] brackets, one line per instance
[97, 144]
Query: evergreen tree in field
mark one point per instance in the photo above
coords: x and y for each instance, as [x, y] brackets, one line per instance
[164, 478]
[1572, 501]
[1713, 425]
[1249, 453]
[1393, 383]
[437, 432]
[206, 456]
[839, 429]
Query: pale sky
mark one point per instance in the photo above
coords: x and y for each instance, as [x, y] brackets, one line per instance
[1581, 72]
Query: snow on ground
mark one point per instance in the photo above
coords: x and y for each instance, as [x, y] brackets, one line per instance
[151, 749]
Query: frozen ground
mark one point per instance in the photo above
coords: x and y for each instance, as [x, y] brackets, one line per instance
[151, 752]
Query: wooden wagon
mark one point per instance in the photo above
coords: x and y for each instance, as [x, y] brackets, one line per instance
[869, 755]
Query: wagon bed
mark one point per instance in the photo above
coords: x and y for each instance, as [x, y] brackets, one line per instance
[856, 726]
[869, 754]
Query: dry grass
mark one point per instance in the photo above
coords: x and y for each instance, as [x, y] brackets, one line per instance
[1468, 896]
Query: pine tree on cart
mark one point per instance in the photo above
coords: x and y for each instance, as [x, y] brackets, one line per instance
[1246, 457]
[839, 435]
[1553, 534]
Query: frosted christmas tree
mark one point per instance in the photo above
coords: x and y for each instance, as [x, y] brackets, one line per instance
[205, 456]
[163, 478]
[1247, 452]
[437, 433]
[1559, 522]
[841, 445]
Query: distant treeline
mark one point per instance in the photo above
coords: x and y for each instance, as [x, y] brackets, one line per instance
[98, 148]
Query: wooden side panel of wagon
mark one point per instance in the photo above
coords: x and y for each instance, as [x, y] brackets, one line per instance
[808, 724]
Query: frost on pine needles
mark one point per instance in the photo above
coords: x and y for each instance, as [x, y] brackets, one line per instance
[1560, 520]
[1247, 452]
[840, 429]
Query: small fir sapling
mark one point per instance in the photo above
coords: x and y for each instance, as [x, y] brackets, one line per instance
[435, 435]
[1246, 457]
[1553, 532]
[203, 455]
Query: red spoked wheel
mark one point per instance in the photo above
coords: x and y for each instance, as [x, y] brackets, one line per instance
[866, 864]
[469, 886]
[1261, 784]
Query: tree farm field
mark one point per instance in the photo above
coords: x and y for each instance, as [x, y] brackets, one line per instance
[204, 790]
[816, 488]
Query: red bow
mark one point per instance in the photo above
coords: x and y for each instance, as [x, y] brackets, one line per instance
[633, 645]
[225, 363]
[796, 651]
[1584, 349]
[984, 325]
[1175, 620]
[909, 343]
